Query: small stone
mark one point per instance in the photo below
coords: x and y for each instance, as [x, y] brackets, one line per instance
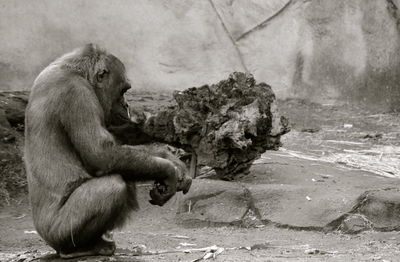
[355, 223]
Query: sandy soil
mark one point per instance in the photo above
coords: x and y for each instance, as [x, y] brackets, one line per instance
[155, 227]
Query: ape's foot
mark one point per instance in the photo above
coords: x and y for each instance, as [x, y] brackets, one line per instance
[104, 247]
[108, 236]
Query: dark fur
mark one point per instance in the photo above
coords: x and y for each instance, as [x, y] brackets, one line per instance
[80, 180]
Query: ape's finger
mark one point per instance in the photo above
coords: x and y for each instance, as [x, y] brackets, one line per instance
[187, 185]
[160, 198]
[156, 198]
[184, 184]
[155, 203]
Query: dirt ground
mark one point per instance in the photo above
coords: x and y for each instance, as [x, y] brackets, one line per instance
[156, 229]
[316, 132]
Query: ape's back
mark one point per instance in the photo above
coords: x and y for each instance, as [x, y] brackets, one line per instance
[53, 166]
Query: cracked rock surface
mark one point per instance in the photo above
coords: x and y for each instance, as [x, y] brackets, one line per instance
[297, 194]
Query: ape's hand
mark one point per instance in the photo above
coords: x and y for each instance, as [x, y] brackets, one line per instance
[184, 181]
[162, 191]
[160, 194]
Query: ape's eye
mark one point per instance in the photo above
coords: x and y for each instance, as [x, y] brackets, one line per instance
[102, 74]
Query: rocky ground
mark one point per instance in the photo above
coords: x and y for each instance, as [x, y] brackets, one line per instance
[331, 193]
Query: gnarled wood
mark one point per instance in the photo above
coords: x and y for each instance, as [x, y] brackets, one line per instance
[227, 125]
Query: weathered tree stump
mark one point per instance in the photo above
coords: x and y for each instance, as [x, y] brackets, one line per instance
[225, 126]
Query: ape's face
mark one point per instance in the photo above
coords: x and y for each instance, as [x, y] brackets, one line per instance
[111, 84]
[119, 113]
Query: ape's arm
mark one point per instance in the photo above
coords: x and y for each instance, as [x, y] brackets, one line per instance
[81, 117]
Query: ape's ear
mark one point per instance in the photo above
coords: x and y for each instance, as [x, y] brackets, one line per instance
[101, 74]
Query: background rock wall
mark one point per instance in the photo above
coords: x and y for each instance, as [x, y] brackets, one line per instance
[321, 50]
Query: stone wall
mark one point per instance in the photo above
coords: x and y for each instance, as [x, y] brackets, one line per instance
[321, 50]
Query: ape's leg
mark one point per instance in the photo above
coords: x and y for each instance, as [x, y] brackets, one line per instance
[98, 205]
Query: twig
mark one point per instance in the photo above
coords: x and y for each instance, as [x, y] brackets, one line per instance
[193, 165]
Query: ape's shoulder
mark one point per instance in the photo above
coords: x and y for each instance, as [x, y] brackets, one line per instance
[54, 74]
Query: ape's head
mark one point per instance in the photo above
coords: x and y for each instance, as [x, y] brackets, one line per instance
[106, 74]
